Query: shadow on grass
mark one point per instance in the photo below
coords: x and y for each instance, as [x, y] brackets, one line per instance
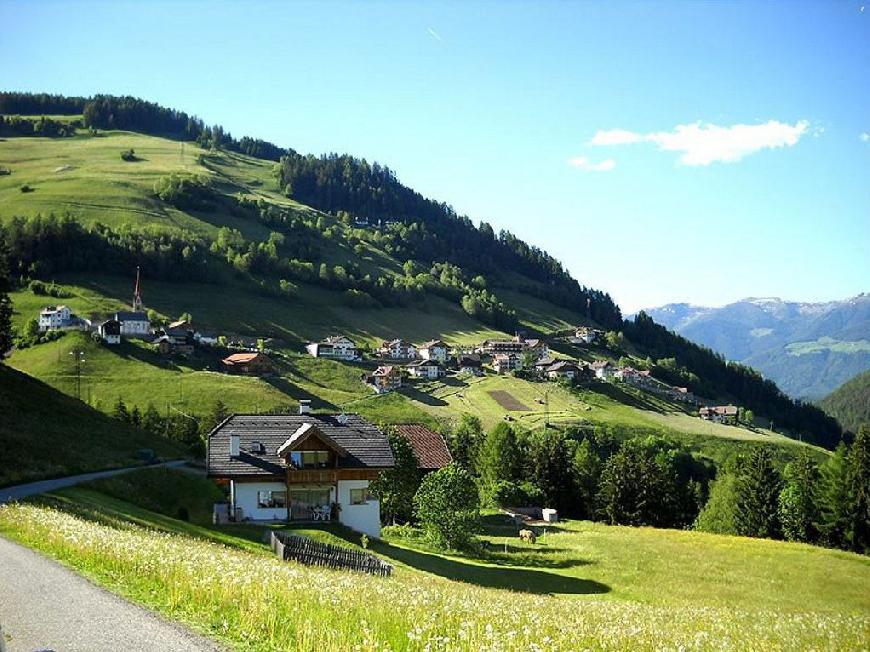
[426, 399]
[525, 580]
[618, 394]
[295, 392]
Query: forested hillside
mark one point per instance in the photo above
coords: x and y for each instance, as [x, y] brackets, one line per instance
[274, 242]
[850, 403]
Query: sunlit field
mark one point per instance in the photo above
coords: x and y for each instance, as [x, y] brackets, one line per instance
[254, 602]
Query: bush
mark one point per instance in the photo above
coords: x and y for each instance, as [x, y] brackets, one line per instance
[129, 155]
[4, 171]
[447, 506]
[26, 188]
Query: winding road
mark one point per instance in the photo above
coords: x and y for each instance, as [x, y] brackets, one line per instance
[46, 606]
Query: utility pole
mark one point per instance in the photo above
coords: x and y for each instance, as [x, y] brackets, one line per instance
[79, 357]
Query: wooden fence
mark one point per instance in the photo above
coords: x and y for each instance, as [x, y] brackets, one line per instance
[314, 553]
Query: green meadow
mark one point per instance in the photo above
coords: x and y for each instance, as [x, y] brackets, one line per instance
[581, 586]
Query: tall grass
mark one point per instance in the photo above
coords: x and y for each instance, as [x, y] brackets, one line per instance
[258, 603]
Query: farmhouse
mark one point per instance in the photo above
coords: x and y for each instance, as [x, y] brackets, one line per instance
[385, 379]
[398, 349]
[433, 350]
[133, 324]
[603, 369]
[110, 331]
[505, 362]
[337, 347]
[719, 413]
[254, 364]
[682, 394]
[300, 467]
[430, 369]
[585, 335]
[430, 449]
[54, 318]
[563, 369]
[538, 348]
[177, 340]
[469, 365]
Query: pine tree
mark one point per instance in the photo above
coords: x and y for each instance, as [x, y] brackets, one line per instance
[834, 499]
[497, 459]
[859, 490]
[586, 467]
[720, 513]
[465, 440]
[5, 301]
[798, 503]
[120, 411]
[151, 421]
[758, 487]
[136, 416]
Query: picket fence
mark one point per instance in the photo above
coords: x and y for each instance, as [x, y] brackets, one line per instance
[314, 553]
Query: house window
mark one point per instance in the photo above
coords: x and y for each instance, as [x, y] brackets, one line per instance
[359, 496]
[309, 459]
[267, 499]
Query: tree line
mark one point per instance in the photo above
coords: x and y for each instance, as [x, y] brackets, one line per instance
[827, 504]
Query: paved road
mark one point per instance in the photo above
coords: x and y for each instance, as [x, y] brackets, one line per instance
[44, 606]
[20, 491]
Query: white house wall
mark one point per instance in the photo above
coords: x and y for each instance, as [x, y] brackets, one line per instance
[362, 518]
[245, 496]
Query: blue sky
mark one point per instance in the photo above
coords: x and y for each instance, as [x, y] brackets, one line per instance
[607, 133]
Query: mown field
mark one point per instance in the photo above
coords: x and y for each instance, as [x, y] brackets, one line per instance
[583, 586]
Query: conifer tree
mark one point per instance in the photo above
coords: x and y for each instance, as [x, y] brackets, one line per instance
[798, 504]
[758, 487]
[120, 411]
[859, 490]
[497, 459]
[834, 499]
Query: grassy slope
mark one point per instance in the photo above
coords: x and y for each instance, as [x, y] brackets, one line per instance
[100, 186]
[44, 433]
[583, 585]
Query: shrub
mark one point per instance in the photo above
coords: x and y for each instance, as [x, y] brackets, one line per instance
[26, 188]
[129, 155]
[516, 494]
[4, 171]
[447, 506]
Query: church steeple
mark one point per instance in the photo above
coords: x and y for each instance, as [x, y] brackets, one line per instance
[137, 295]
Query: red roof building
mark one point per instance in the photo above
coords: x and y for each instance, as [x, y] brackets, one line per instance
[429, 447]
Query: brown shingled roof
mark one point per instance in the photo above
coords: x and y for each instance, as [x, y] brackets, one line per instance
[429, 447]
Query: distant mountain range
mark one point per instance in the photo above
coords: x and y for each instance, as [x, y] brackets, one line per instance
[808, 349]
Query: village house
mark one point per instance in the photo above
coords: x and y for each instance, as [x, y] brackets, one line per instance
[300, 467]
[503, 363]
[337, 347]
[603, 369]
[429, 369]
[385, 379]
[538, 348]
[636, 377]
[434, 350]
[398, 349]
[249, 364]
[176, 340]
[586, 335]
[205, 338]
[110, 331]
[499, 347]
[719, 413]
[429, 447]
[563, 369]
[469, 365]
[133, 324]
[54, 318]
[682, 394]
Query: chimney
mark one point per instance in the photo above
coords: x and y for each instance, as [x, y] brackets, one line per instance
[305, 406]
[235, 445]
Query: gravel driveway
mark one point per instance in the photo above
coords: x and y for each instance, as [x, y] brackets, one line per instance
[45, 606]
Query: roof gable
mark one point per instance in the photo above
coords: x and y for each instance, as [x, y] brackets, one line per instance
[307, 431]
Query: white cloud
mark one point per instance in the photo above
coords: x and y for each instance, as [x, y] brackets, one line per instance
[702, 144]
[865, 137]
[583, 163]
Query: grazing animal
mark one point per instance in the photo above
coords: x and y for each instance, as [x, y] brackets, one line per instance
[527, 535]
